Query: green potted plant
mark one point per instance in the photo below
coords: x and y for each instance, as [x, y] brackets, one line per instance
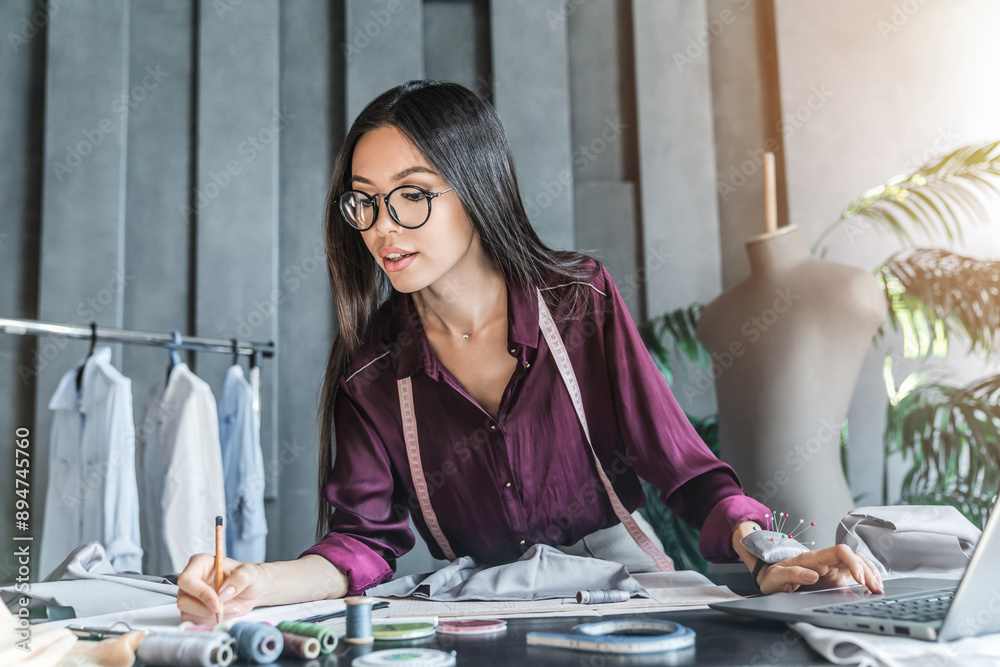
[947, 435]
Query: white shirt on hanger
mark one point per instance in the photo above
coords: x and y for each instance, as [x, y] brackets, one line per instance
[92, 493]
[243, 466]
[180, 472]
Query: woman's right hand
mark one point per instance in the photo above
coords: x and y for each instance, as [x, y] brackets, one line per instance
[242, 586]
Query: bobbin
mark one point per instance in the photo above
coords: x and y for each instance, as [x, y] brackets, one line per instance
[359, 620]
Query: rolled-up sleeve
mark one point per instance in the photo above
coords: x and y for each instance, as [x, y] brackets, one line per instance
[668, 452]
[369, 527]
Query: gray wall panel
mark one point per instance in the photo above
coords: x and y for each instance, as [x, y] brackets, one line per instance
[676, 156]
[83, 187]
[157, 276]
[595, 93]
[457, 42]
[307, 324]
[605, 226]
[21, 84]
[531, 95]
[235, 196]
[741, 131]
[384, 47]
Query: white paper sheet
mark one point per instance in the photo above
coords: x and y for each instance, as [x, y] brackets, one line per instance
[168, 617]
[679, 579]
[668, 591]
[662, 599]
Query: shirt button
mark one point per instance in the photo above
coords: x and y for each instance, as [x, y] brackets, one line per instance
[493, 427]
[513, 350]
[522, 543]
[507, 485]
[527, 365]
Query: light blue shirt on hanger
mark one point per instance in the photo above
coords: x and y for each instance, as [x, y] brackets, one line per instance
[92, 492]
[243, 468]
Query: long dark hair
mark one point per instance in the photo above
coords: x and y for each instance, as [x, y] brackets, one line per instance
[461, 137]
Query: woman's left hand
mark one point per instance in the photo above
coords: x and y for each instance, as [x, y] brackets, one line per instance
[820, 568]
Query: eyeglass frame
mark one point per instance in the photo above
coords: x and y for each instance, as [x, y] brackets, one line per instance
[392, 212]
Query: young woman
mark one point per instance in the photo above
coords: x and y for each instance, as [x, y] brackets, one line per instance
[492, 370]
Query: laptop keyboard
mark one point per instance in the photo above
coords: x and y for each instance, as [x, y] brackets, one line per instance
[930, 606]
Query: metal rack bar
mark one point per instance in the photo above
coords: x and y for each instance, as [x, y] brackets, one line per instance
[19, 327]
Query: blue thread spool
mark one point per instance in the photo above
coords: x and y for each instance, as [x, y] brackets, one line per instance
[359, 620]
[258, 642]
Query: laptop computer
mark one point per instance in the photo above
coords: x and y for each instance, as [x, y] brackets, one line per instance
[922, 608]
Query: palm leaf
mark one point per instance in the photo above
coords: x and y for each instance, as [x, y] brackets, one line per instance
[950, 438]
[938, 198]
[934, 293]
[672, 333]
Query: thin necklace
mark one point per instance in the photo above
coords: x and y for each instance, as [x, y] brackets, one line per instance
[467, 335]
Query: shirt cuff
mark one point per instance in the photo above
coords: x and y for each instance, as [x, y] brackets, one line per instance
[716, 541]
[362, 566]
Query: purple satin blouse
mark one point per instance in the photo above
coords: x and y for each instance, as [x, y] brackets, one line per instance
[500, 485]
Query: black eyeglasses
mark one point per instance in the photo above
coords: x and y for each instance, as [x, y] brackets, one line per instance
[408, 205]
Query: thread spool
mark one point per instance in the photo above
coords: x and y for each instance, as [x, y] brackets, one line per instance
[299, 646]
[359, 620]
[258, 642]
[221, 635]
[324, 634]
[186, 650]
[602, 596]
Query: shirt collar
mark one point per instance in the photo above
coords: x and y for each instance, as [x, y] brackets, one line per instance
[67, 397]
[413, 350]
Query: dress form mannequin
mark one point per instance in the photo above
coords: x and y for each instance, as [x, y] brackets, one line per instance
[787, 346]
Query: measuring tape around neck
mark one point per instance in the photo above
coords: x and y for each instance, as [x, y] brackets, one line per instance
[565, 366]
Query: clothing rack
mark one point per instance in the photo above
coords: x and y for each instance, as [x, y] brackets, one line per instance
[35, 328]
[171, 341]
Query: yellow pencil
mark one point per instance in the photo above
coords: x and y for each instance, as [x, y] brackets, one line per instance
[219, 548]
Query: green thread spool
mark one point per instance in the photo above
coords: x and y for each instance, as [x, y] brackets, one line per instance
[323, 633]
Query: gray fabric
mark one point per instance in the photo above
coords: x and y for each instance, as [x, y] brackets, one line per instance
[615, 544]
[88, 583]
[911, 540]
[542, 572]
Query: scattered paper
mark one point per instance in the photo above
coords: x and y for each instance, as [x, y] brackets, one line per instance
[166, 618]
[662, 599]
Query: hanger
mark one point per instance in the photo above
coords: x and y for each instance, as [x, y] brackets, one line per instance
[175, 355]
[236, 352]
[93, 344]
